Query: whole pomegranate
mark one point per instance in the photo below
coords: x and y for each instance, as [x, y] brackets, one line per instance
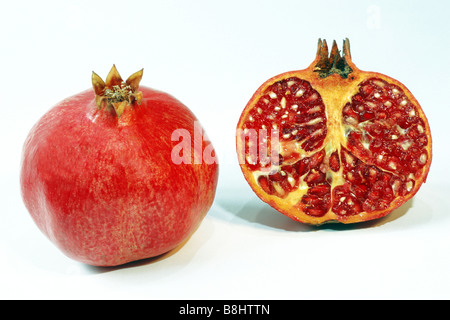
[334, 143]
[104, 177]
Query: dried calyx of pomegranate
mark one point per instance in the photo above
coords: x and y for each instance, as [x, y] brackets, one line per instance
[334, 143]
[116, 93]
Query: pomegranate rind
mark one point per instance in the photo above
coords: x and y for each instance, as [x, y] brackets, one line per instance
[105, 190]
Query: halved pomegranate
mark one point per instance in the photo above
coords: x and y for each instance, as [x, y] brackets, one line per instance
[334, 143]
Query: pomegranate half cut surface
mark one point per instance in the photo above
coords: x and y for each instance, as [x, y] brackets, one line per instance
[332, 143]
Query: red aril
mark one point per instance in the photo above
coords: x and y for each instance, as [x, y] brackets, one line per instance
[334, 143]
[100, 177]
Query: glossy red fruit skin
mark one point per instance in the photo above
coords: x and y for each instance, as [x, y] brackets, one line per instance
[104, 189]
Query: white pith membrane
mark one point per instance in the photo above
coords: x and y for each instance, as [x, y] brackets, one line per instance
[349, 159]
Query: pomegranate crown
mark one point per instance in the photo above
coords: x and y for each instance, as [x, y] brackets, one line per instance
[116, 93]
[333, 63]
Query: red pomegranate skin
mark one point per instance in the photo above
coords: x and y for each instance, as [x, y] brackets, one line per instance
[104, 189]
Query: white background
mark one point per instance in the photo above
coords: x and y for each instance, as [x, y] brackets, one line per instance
[212, 55]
